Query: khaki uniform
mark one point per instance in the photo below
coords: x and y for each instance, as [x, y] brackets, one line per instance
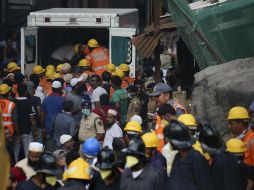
[90, 127]
[134, 108]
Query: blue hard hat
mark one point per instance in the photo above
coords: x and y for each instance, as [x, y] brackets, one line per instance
[91, 147]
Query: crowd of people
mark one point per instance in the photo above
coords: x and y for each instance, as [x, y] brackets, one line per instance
[93, 127]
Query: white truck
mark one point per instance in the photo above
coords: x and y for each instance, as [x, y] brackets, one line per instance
[52, 28]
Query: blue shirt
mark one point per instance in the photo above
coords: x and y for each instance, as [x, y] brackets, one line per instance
[51, 105]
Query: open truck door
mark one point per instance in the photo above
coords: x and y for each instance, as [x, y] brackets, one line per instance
[29, 52]
[121, 48]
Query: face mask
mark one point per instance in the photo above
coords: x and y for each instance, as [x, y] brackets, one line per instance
[131, 161]
[86, 112]
[105, 174]
[51, 180]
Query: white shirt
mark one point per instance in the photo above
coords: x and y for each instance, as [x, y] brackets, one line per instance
[169, 154]
[63, 52]
[97, 93]
[29, 171]
[111, 133]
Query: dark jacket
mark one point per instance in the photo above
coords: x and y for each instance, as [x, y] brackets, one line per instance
[98, 184]
[149, 179]
[191, 173]
[228, 174]
[159, 163]
[73, 185]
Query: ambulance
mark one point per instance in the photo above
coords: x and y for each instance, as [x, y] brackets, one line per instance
[50, 29]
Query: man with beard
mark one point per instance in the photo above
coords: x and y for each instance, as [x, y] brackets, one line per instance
[112, 129]
[31, 163]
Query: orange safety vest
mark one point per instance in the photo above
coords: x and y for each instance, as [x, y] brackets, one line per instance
[98, 58]
[248, 139]
[159, 131]
[127, 81]
[7, 108]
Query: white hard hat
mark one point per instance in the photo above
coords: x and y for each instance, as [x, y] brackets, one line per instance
[136, 118]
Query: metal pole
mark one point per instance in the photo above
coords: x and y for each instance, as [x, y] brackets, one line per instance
[156, 19]
[4, 11]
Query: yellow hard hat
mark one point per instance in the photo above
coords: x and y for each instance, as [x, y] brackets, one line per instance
[151, 140]
[78, 169]
[238, 113]
[56, 75]
[38, 70]
[93, 43]
[49, 74]
[50, 67]
[133, 126]
[119, 72]
[59, 67]
[124, 67]
[188, 120]
[83, 63]
[110, 67]
[12, 66]
[236, 146]
[4, 88]
[76, 48]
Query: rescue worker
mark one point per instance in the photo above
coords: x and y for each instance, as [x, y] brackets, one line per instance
[59, 68]
[119, 98]
[84, 67]
[12, 67]
[238, 123]
[110, 68]
[225, 163]
[39, 70]
[165, 114]
[77, 176]
[31, 163]
[134, 107]
[190, 121]
[132, 130]
[190, 170]
[50, 67]
[164, 95]
[66, 68]
[9, 112]
[139, 174]
[90, 150]
[91, 124]
[109, 175]
[127, 79]
[155, 158]
[45, 175]
[99, 57]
